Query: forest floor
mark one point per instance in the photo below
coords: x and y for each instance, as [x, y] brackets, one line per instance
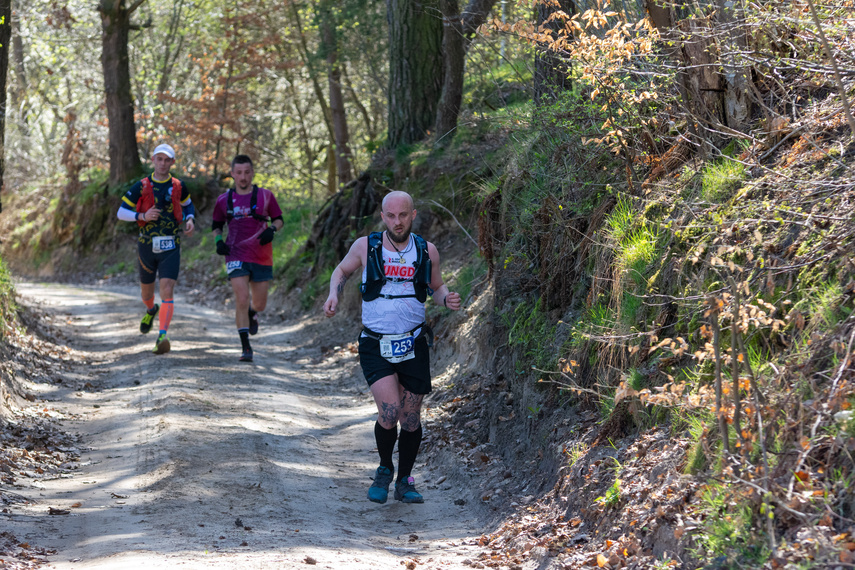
[196, 460]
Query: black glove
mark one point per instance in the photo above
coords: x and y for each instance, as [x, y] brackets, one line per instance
[267, 235]
[222, 248]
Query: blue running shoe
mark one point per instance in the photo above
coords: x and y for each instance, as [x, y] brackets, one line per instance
[405, 491]
[378, 492]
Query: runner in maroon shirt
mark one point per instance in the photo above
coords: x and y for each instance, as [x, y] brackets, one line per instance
[253, 217]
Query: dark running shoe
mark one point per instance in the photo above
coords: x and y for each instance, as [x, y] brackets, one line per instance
[148, 318]
[405, 491]
[162, 344]
[253, 322]
[378, 492]
[246, 356]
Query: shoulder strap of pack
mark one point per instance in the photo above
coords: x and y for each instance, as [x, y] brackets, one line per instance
[421, 248]
[147, 187]
[230, 205]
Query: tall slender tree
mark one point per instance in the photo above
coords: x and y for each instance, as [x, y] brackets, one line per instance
[329, 41]
[5, 40]
[115, 28]
[454, 50]
[458, 33]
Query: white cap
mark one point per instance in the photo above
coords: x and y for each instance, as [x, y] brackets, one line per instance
[165, 149]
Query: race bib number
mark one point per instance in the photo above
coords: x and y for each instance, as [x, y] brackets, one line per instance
[159, 244]
[397, 347]
[233, 265]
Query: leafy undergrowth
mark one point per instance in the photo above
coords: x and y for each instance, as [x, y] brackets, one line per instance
[694, 337]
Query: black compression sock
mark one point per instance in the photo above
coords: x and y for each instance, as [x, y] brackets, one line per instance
[244, 339]
[386, 444]
[408, 449]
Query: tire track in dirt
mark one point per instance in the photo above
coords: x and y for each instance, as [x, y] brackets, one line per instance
[199, 460]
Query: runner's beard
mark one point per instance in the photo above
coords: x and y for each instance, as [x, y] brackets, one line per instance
[400, 239]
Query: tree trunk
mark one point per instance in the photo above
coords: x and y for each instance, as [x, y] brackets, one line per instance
[474, 15]
[370, 125]
[21, 88]
[551, 74]
[737, 104]
[115, 25]
[415, 68]
[5, 37]
[690, 53]
[316, 85]
[341, 136]
[170, 55]
[454, 51]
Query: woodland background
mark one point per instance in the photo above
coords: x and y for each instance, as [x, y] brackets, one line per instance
[662, 195]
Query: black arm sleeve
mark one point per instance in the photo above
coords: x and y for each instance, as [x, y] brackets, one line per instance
[215, 225]
[277, 218]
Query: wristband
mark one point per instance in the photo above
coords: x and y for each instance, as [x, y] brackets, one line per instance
[136, 216]
[219, 237]
[445, 301]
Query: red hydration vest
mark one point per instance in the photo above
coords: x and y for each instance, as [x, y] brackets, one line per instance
[146, 200]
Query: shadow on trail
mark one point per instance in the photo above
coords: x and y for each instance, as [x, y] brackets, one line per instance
[187, 445]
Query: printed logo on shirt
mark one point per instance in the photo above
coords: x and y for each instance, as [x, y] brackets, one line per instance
[398, 271]
[243, 211]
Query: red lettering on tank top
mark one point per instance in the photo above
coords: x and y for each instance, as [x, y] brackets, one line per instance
[394, 270]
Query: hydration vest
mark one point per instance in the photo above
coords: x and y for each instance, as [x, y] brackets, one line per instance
[147, 200]
[375, 274]
[253, 204]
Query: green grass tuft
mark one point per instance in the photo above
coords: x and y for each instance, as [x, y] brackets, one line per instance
[721, 179]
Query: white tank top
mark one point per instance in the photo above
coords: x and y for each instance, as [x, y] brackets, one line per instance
[395, 316]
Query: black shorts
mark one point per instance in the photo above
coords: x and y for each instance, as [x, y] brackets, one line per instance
[164, 264]
[413, 374]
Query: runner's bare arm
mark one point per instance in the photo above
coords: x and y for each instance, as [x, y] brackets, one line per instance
[354, 260]
[441, 294]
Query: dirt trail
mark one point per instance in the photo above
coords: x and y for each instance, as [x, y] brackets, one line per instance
[193, 459]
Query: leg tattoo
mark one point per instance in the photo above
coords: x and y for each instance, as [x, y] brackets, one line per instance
[389, 414]
[411, 408]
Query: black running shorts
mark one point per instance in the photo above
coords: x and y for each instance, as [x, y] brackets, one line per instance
[164, 264]
[413, 374]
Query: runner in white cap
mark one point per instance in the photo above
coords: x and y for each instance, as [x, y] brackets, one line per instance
[159, 204]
